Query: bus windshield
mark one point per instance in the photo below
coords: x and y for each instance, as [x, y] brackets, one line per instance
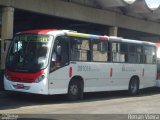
[28, 53]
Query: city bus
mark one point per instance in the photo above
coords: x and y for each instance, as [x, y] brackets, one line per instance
[53, 62]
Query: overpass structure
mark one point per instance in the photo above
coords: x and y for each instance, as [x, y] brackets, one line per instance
[113, 17]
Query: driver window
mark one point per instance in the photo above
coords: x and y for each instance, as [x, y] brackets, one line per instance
[60, 53]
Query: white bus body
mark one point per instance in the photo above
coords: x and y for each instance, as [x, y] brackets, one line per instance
[92, 63]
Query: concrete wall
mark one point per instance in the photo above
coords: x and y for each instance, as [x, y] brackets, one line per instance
[83, 13]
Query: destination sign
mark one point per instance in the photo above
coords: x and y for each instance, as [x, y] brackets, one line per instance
[38, 38]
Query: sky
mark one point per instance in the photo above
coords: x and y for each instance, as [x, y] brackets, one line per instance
[153, 1]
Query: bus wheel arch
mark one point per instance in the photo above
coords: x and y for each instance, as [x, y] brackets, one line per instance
[75, 88]
[134, 84]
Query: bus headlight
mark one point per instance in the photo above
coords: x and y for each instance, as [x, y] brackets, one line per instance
[40, 78]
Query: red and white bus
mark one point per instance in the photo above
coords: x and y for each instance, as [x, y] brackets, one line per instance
[66, 62]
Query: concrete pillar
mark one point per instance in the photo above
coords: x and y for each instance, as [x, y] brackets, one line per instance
[113, 31]
[7, 31]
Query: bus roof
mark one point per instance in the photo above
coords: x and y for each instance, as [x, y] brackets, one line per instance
[130, 41]
[89, 36]
[39, 31]
[157, 44]
[67, 32]
[83, 35]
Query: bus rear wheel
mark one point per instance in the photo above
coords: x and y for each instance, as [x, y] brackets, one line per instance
[133, 87]
[75, 90]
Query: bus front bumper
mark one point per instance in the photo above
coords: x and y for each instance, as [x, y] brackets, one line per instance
[36, 88]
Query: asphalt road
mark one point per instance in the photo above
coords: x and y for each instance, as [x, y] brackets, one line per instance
[93, 105]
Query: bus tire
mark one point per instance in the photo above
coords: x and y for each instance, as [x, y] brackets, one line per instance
[134, 86]
[75, 90]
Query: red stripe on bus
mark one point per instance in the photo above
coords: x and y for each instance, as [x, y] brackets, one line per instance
[70, 72]
[103, 38]
[37, 31]
[23, 77]
[158, 44]
[143, 72]
[111, 72]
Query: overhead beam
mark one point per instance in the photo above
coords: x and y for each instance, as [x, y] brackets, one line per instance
[83, 13]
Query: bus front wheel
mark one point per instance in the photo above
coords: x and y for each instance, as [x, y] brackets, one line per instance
[75, 90]
[133, 86]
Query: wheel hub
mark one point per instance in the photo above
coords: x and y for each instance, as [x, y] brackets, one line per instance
[74, 89]
[134, 87]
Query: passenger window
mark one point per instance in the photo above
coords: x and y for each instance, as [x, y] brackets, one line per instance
[119, 52]
[80, 49]
[100, 51]
[135, 54]
[116, 52]
[149, 55]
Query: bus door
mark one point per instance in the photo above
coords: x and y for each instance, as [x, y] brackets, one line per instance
[59, 65]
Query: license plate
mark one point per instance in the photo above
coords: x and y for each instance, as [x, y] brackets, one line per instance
[19, 86]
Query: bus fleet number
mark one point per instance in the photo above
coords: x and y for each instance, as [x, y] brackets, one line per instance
[84, 68]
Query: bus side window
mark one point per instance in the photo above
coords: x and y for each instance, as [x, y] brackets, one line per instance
[100, 51]
[124, 52]
[149, 54]
[119, 52]
[64, 51]
[80, 49]
[60, 53]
